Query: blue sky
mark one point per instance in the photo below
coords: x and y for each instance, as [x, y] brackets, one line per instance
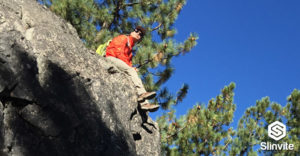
[255, 44]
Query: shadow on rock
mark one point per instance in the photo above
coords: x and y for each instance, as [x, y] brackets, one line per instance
[57, 117]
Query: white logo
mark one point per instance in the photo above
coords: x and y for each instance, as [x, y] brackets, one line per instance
[276, 130]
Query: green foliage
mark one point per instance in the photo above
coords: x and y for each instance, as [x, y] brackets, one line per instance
[80, 13]
[205, 130]
[252, 129]
[97, 21]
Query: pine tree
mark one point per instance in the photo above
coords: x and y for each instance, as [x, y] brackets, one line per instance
[203, 130]
[97, 21]
[252, 128]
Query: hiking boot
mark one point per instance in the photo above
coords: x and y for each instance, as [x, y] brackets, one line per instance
[149, 107]
[147, 95]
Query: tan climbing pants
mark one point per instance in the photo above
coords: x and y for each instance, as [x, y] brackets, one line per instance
[121, 65]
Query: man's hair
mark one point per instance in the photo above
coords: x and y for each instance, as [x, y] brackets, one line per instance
[143, 30]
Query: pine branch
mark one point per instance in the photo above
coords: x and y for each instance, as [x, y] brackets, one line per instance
[146, 62]
[130, 4]
[154, 74]
[181, 129]
[116, 15]
[105, 25]
[178, 8]
[223, 149]
[160, 24]
[244, 151]
[153, 59]
[226, 146]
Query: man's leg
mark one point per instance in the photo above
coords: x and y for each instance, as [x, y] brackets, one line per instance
[131, 72]
[143, 95]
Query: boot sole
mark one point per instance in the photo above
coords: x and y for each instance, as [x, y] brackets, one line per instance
[151, 109]
[151, 96]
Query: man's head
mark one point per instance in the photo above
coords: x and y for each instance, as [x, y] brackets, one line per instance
[138, 33]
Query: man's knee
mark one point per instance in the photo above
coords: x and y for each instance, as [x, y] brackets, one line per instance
[131, 71]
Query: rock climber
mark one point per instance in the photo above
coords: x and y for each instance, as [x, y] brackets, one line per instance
[119, 51]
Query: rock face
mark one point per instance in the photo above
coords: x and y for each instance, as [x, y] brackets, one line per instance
[58, 98]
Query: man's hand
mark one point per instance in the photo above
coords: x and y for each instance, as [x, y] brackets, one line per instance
[136, 69]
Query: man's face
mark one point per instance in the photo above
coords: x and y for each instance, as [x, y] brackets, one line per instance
[136, 35]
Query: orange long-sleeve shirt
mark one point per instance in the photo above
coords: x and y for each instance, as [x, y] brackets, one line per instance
[121, 48]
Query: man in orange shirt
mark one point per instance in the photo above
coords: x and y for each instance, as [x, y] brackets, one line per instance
[119, 51]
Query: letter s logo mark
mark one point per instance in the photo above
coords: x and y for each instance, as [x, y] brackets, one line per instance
[276, 130]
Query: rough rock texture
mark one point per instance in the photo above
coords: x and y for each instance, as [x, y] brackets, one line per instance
[58, 98]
